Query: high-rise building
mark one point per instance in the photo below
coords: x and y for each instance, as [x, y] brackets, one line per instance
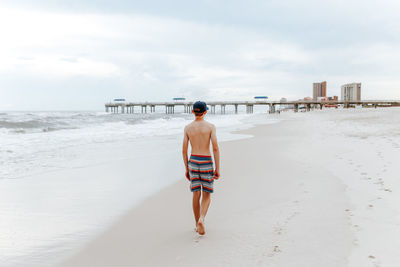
[319, 90]
[351, 92]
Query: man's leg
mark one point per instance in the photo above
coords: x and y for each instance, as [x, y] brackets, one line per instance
[196, 206]
[205, 203]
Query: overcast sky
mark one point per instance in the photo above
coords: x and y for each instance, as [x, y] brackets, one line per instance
[77, 55]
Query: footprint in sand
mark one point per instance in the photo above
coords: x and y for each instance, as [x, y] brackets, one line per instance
[274, 251]
[349, 212]
[290, 217]
[277, 249]
[278, 230]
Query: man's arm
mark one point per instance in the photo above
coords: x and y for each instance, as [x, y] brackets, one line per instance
[184, 153]
[214, 143]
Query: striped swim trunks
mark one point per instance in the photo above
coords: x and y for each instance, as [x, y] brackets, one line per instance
[201, 173]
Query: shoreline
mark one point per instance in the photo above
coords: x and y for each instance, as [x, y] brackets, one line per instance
[240, 230]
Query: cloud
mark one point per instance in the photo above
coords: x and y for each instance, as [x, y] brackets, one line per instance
[157, 50]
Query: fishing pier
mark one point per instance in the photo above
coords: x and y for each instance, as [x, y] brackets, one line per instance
[145, 107]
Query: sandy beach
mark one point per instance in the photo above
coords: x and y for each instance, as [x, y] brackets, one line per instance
[97, 102]
[308, 191]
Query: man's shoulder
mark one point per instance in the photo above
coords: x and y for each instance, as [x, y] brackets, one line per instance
[212, 126]
[188, 126]
[196, 125]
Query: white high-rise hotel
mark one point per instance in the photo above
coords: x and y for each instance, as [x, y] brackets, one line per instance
[351, 92]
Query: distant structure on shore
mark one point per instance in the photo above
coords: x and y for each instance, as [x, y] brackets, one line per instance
[351, 92]
[302, 104]
[260, 98]
[319, 90]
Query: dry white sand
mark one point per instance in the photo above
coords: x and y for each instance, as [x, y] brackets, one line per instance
[316, 189]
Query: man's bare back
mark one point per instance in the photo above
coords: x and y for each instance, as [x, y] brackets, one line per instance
[199, 134]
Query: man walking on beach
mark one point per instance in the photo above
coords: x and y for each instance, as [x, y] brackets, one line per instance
[199, 168]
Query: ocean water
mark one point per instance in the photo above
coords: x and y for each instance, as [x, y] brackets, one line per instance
[65, 176]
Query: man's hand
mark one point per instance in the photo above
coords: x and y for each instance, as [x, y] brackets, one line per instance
[216, 174]
[187, 175]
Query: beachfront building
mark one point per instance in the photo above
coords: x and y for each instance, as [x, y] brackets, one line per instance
[334, 98]
[351, 92]
[319, 90]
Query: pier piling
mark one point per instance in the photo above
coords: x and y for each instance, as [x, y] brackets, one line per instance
[222, 108]
[272, 110]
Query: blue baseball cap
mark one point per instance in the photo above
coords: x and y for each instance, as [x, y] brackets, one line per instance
[200, 107]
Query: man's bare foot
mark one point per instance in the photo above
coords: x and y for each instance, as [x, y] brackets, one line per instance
[200, 227]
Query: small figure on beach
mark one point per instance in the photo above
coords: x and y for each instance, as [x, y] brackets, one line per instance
[199, 167]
